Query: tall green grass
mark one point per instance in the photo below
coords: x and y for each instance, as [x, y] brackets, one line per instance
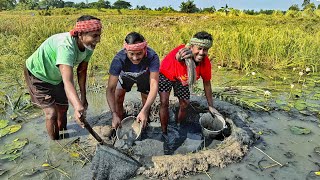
[240, 41]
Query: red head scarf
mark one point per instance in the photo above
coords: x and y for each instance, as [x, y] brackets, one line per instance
[86, 26]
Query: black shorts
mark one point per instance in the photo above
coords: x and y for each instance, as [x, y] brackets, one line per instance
[180, 91]
[44, 94]
[142, 81]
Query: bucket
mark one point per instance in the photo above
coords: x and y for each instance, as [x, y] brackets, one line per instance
[212, 125]
[130, 129]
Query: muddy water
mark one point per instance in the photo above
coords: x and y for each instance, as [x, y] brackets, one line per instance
[294, 152]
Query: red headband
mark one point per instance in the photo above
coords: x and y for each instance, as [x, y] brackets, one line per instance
[86, 26]
[135, 47]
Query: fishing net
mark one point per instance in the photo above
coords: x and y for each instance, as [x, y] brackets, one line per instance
[109, 163]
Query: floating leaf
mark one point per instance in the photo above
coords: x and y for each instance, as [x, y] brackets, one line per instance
[14, 128]
[317, 173]
[299, 130]
[12, 147]
[3, 123]
[300, 105]
[75, 155]
[11, 157]
[4, 132]
[45, 165]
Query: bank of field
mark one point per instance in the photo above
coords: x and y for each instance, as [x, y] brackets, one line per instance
[241, 42]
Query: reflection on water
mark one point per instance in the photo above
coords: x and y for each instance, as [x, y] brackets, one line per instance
[294, 151]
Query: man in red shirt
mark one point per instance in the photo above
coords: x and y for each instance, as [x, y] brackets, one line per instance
[173, 74]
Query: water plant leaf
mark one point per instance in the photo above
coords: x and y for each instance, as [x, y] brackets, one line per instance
[3, 123]
[74, 154]
[45, 165]
[317, 173]
[299, 130]
[11, 157]
[4, 132]
[12, 147]
[9, 129]
[300, 105]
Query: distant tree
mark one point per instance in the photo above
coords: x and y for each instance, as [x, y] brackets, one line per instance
[119, 4]
[310, 6]
[209, 9]
[249, 12]
[68, 4]
[165, 9]
[188, 7]
[143, 7]
[27, 4]
[7, 4]
[225, 9]
[305, 3]
[318, 6]
[52, 3]
[80, 5]
[267, 12]
[294, 7]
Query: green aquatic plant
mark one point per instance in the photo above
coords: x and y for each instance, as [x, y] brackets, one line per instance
[3, 123]
[299, 130]
[9, 129]
[12, 150]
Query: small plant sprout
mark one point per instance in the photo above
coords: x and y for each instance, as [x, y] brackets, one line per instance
[300, 73]
[267, 93]
[292, 86]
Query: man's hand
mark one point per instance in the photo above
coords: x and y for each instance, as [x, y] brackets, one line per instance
[214, 111]
[116, 121]
[142, 118]
[80, 116]
[183, 54]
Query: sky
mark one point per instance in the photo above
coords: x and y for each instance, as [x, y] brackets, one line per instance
[237, 4]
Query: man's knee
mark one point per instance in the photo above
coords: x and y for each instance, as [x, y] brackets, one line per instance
[50, 113]
[183, 104]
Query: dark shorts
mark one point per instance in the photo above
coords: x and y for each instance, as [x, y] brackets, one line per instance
[44, 94]
[180, 91]
[142, 81]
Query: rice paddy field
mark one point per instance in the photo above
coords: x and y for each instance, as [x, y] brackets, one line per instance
[260, 62]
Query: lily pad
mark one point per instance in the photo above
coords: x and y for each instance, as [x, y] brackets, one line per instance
[299, 130]
[300, 105]
[9, 129]
[12, 147]
[11, 157]
[3, 123]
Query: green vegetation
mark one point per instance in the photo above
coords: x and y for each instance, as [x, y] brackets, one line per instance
[242, 44]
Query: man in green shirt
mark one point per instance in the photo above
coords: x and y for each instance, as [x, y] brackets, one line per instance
[49, 73]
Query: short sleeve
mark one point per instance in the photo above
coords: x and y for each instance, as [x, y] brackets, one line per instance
[65, 55]
[116, 65]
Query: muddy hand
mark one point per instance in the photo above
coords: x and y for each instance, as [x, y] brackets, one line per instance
[142, 118]
[214, 111]
[116, 121]
[80, 117]
[183, 54]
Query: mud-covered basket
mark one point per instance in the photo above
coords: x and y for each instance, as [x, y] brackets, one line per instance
[130, 129]
[212, 126]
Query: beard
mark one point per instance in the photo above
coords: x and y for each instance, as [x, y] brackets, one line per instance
[89, 47]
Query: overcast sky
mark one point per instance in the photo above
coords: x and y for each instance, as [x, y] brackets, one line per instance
[237, 4]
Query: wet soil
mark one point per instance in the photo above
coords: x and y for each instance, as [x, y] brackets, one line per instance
[271, 130]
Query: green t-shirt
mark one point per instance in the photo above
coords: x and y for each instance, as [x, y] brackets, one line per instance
[58, 49]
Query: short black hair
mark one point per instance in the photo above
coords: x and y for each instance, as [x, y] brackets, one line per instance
[203, 35]
[134, 37]
[86, 18]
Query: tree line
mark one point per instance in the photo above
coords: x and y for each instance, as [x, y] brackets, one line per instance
[186, 7]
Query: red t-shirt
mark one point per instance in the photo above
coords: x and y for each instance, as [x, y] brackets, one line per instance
[174, 70]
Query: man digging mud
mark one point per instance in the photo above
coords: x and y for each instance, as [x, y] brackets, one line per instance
[49, 73]
[135, 63]
[174, 74]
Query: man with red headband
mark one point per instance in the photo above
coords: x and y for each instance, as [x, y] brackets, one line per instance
[135, 63]
[49, 73]
[174, 74]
